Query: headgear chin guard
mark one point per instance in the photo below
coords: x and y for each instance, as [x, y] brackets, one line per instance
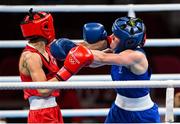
[38, 24]
[130, 31]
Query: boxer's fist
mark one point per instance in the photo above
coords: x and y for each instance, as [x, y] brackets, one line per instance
[77, 58]
[61, 47]
[94, 32]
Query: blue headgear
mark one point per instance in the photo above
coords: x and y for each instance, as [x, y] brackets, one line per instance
[130, 31]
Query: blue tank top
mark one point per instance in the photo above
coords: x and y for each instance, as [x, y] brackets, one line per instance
[121, 73]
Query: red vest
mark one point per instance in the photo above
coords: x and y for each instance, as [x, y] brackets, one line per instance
[50, 68]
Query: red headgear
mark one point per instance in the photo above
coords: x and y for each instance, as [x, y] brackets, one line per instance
[38, 24]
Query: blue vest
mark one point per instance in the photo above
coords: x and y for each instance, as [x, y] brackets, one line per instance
[121, 73]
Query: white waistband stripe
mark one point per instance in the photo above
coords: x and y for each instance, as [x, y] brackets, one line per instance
[40, 103]
[134, 104]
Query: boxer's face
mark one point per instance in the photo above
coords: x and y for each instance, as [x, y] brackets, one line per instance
[115, 42]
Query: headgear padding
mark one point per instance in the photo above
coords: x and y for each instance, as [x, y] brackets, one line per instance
[38, 24]
[130, 31]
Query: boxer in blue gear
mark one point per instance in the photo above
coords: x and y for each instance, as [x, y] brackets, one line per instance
[61, 47]
[129, 62]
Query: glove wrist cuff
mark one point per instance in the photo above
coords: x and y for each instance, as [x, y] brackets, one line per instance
[63, 74]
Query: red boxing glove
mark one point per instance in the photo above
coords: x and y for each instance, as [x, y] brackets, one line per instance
[77, 58]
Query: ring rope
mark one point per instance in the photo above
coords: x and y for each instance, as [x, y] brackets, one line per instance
[96, 77]
[90, 85]
[73, 112]
[91, 8]
[149, 43]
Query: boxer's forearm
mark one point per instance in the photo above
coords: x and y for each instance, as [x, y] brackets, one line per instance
[101, 45]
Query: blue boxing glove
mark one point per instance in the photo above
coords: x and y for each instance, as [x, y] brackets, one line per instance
[61, 47]
[94, 32]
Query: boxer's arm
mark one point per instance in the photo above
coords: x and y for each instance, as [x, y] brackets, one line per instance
[96, 64]
[100, 45]
[34, 66]
[134, 60]
[80, 55]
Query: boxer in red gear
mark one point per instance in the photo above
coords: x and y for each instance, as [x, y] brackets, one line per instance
[36, 64]
[42, 71]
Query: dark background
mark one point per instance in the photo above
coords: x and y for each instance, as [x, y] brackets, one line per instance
[161, 59]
